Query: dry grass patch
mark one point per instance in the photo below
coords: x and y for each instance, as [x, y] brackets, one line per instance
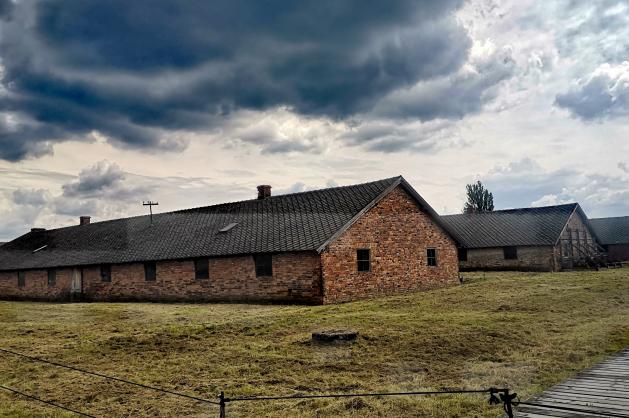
[524, 331]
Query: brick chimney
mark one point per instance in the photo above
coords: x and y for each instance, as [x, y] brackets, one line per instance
[264, 191]
[84, 220]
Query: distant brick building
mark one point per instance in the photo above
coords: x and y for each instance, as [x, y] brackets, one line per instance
[613, 234]
[547, 238]
[325, 246]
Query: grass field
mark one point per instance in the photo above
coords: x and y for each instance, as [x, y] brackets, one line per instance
[524, 331]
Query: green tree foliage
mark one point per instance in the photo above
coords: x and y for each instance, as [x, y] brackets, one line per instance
[479, 199]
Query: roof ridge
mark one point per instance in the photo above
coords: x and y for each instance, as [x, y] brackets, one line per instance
[197, 208]
[530, 208]
[298, 221]
[284, 195]
[609, 217]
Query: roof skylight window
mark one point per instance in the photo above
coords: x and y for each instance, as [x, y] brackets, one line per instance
[228, 227]
[40, 248]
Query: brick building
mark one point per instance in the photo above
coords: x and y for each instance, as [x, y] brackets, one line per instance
[331, 245]
[613, 234]
[547, 238]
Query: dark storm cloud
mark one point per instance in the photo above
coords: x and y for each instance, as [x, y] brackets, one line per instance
[95, 179]
[454, 96]
[437, 103]
[6, 7]
[103, 179]
[602, 95]
[389, 137]
[136, 71]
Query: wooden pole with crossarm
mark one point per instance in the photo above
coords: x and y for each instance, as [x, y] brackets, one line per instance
[150, 205]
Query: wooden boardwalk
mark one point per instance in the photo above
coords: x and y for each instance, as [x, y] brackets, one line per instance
[601, 391]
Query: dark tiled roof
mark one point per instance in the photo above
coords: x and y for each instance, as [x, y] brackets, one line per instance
[526, 226]
[611, 230]
[293, 222]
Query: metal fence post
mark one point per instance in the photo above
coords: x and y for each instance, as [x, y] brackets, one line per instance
[507, 400]
[221, 399]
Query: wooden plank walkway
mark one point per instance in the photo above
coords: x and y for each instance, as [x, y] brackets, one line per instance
[601, 391]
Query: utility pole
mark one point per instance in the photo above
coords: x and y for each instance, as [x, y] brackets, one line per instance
[150, 205]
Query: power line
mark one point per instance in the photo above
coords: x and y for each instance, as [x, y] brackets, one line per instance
[76, 369]
[584, 411]
[26, 395]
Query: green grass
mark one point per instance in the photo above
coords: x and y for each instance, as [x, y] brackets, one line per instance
[521, 330]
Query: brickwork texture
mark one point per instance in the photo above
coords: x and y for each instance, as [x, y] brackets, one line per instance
[396, 231]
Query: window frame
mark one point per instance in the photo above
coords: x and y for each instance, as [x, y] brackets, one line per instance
[105, 273]
[21, 278]
[198, 271]
[263, 264]
[360, 261]
[461, 254]
[433, 257]
[510, 252]
[150, 266]
[52, 277]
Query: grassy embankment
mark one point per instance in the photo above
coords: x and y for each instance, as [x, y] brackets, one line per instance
[524, 331]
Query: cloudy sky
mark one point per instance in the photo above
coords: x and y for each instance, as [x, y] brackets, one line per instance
[105, 104]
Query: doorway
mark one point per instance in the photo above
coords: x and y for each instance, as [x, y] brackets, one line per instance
[76, 284]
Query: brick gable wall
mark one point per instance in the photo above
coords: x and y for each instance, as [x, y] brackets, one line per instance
[580, 234]
[397, 232]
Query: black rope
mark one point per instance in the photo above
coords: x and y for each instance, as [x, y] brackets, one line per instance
[351, 395]
[76, 369]
[584, 411]
[259, 398]
[65, 408]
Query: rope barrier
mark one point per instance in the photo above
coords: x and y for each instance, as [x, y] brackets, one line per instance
[358, 395]
[65, 408]
[504, 397]
[507, 399]
[76, 369]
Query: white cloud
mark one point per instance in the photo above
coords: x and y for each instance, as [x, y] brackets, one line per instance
[526, 183]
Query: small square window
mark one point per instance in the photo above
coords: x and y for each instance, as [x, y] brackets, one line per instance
[431, 257]
[510, 253]
[462, 254]
[363, 259]
[150, 271]
[201, 269]
[21, 278]
[52, 277]
[264, 265]
[105, 273]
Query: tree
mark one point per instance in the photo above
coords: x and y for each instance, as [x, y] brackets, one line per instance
[479, 199]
